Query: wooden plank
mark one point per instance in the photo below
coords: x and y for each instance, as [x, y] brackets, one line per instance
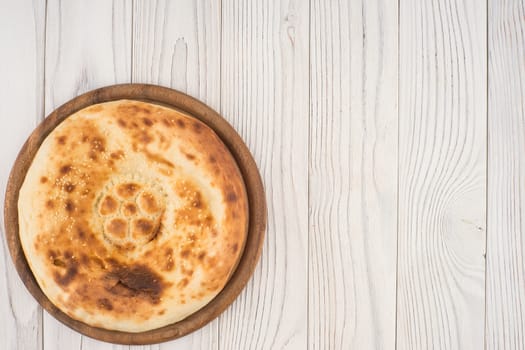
[264, 94]
[22, 26]
[353, 182]
[505, 300]
[177, 44]
[442, 174]
[88, 45]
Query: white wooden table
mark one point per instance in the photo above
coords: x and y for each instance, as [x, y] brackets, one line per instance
[390, 136]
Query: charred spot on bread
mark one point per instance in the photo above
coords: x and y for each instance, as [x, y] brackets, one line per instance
[69, 187]
[180, 123]
[147, 121]
[69, 206]
[231, 196]
[65, 169]
[109, 205]
[137, 280]
[128, 190]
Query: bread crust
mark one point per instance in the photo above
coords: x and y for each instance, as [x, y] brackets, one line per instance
[132, 216]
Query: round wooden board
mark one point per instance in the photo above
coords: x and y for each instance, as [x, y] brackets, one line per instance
[254, 188]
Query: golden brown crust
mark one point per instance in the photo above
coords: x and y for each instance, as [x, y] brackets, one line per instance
[132, 212]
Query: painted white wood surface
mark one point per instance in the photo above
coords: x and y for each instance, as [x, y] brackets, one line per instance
[21, 70]
[505, 321]
[442, 175]
[353, 175]
[313, 87]
[264, 94]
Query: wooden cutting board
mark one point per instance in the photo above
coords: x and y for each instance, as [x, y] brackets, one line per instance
[254, 188]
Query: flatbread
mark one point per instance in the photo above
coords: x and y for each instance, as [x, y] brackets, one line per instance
[132, 216]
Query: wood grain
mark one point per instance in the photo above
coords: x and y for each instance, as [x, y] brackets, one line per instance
[88, 45]
[299, 77]
[442, 174]
[264, 93]
[352, 168]
[177, 44]
[21, 100]
[505, 300]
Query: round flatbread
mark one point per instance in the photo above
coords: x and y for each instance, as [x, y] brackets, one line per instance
[132, 216]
